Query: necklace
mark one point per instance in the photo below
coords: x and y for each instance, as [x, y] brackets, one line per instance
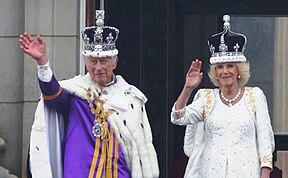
[100, 124]
[230, 100]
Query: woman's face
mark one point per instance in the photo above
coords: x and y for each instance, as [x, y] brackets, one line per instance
[226, 74]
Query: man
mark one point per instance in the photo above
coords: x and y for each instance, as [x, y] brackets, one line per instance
[106, 129]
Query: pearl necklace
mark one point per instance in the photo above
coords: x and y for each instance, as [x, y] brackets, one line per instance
[231, 100]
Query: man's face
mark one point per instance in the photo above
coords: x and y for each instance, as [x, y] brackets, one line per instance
[101, 69]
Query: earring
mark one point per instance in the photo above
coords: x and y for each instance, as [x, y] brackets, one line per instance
[238, 76]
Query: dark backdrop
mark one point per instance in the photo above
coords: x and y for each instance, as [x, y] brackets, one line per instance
[153, 55]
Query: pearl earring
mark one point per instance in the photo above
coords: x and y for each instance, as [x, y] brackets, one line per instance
[239, 76]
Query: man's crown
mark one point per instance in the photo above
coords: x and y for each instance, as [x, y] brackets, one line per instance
[100, 40]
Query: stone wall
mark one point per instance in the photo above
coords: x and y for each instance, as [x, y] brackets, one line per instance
[57, 21]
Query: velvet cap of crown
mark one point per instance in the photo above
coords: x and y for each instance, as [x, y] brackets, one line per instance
[100, 40]
[227, 46]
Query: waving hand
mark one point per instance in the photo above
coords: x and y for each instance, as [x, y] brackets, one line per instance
[193, 79]
[35, 49]
[194, 75]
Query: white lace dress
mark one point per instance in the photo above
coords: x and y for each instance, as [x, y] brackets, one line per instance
[236, 145]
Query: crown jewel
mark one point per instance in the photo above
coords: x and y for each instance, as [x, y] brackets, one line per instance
[227, 46]
[100, 40]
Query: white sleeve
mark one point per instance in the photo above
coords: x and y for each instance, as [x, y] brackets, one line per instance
[44, 72]
[265, 136]
[190, 114]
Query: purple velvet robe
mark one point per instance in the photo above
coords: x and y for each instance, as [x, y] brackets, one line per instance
[78, 143]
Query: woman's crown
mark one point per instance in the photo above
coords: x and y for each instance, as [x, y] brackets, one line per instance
[227, 46]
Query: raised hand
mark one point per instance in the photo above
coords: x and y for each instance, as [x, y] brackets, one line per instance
[193, 79]
[35, 49]
[194, 75]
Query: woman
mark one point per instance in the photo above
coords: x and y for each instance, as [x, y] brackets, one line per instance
[228, 128]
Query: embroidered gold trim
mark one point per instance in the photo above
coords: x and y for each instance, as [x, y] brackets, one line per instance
[51, 97]
[180, 114]
[251, 100]
[208, 103]
[266, 159]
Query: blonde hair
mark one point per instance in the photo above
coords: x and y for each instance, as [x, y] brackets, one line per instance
[243, 72]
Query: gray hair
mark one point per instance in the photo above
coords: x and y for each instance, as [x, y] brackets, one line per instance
[113, 58]
[243, 70]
